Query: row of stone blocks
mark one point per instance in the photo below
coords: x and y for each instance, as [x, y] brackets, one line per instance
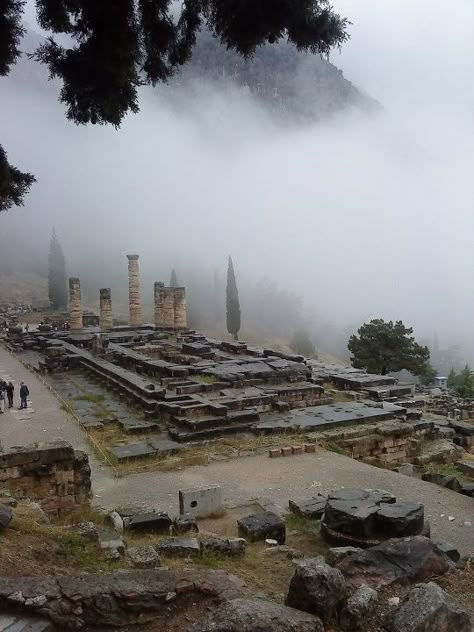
[273, 453]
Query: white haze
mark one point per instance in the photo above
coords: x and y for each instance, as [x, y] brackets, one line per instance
[363, 217]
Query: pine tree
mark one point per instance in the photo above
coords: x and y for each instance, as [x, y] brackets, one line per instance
[232, 302]
[56, 274]
[173, 279]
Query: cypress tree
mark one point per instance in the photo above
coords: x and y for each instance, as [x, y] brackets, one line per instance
[173, 279]
[56, 274]
[232, 302]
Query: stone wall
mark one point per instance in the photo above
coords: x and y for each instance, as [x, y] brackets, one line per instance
[54, 475]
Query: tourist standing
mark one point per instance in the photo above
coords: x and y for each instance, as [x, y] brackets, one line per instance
[10, 390]
[24, 392]
[2, 399]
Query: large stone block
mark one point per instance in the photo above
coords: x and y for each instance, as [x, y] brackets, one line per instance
[262, 526]
[201, 501]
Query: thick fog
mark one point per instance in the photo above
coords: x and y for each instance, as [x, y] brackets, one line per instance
[361, 215]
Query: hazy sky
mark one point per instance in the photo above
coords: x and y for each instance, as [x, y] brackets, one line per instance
[364, 217]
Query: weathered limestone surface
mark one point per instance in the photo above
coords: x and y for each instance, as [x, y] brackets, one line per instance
[54, 475]
[168, 307]
[180, 316]
[116, 599]
[134, 291]
[75, 309]
[159, 296]
[106, 320]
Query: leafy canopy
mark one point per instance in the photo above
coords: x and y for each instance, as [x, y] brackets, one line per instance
[462, 382]
[384, 347]
[118, 45]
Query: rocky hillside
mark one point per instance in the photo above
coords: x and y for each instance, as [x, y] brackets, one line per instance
[294, 84]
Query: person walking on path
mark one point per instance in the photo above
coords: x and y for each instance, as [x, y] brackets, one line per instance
[2, 398]
[24, 392]
[10, 390]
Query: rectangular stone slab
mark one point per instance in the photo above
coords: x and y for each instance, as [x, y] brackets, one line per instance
[131, 451]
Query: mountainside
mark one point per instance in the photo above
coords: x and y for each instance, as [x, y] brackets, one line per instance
[295, 84]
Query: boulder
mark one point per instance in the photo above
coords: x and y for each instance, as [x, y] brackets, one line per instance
[257, 615]
[396, 561]
[116, 521]
[450, 482]
[224, 546]
[400, 519]
[427, 608]
[317, 588]
[111, 543]
[263, 525]
[144, 556]
[179, 547]
[338, 553]
[351, 517]
[359, 608]
[283, 549]
[468, 489]
[5, 516]
[463, 428]
[87, 530]
[349, 493]
[449, 550]
[185, 523]
[312, 508]
[154, 522]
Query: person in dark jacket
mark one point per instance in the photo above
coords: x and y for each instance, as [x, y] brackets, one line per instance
[24, 392]
[10, 390]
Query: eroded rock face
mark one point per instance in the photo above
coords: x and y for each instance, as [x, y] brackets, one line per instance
[427, 608]
[256, 615]
[144, 556]
[317, 588]
[115, 599]
[400, 560]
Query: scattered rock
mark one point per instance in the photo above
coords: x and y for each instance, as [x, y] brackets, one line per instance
[407, 469]
[87, 530]
[40, 516]
[393, 602]
[186, 523]
[312, 508]
[400, 560]
[451, 518]
[116, 521]
[317, 588]
[468, 489]
[283, 549]
[450, 482]
[338, 553]
[263, 525]
[427, 608]
[359, 608]
[111, 543]
[5, 516]
[154, 522]
[270, 542]
[252, 615]
[179, 547]
[219, 544]
[144, 556]
[351, 517]
[449, 550]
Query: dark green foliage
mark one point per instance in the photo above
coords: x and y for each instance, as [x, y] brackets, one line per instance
[232, 302]
[462, 382]
[173, 279]
[13, 183]
[428, 375]
[301, 343]
[120, 44]
[11, 32]
[57, 291]
[385, 347]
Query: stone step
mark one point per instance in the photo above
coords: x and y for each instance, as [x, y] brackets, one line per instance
[18, 623]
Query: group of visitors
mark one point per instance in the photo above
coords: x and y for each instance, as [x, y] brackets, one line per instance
[7, 391]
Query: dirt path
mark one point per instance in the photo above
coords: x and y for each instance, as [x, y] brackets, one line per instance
[242, 479]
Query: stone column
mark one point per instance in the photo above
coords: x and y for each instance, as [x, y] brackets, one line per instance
[106, 321]
[168, 306]
[159, 297]
[134, 291]
[180, 315]
[75, 309]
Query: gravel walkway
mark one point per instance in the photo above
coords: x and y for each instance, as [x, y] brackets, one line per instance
[242, 479]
